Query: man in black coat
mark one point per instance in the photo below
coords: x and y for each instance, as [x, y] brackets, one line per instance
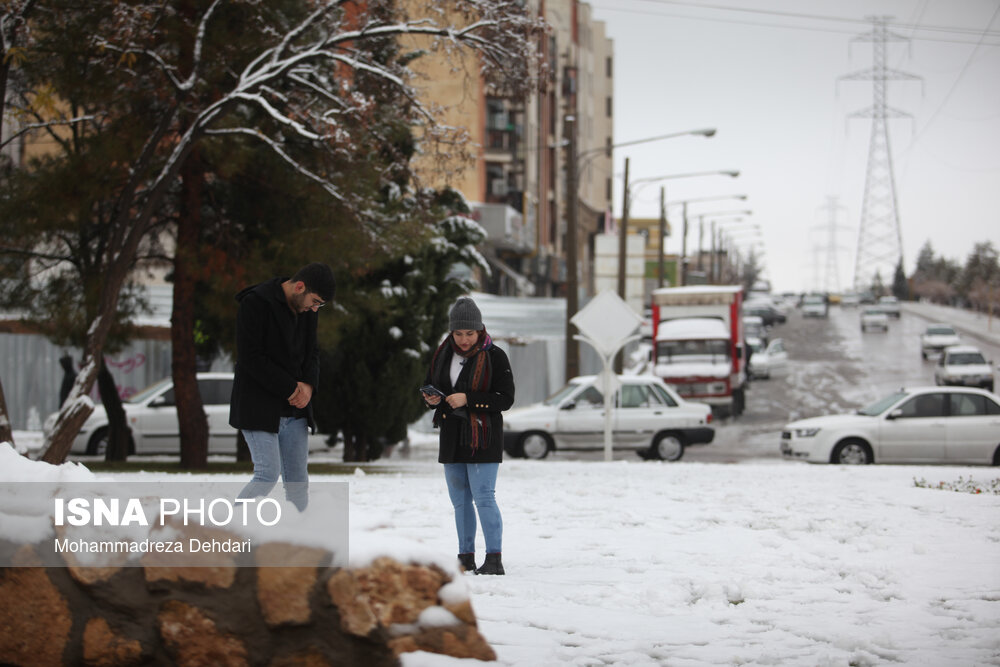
[277, 372]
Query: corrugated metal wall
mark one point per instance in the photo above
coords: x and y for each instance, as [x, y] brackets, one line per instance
[31, 373]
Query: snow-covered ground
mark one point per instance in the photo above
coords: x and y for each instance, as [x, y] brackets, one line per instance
[645, 563]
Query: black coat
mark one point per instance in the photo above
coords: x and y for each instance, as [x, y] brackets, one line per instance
[275, 350]
[455, 432]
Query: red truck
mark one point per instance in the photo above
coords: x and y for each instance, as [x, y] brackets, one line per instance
[698, 344]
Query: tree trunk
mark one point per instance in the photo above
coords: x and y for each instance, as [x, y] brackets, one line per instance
[6, 432]
[190, 409]
[118, 429]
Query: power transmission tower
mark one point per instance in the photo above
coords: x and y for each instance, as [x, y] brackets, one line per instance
[880, 239]
[830, 281]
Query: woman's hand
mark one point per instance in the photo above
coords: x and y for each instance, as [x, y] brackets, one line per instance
[457, 400]
[432, 399]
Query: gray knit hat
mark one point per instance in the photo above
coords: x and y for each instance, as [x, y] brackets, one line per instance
[465, 315]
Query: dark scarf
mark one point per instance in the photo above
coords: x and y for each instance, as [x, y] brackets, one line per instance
[479, 380]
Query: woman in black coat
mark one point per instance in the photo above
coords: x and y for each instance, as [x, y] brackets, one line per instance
[475, 383]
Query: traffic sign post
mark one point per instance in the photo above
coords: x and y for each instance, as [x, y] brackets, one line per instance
[607, 324]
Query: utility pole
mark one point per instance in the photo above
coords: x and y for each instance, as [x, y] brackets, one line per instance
[684, 245]
[622, 259]
[622, 234]
[880, 239]
[831, 273]
[572, 286]
[663, 233]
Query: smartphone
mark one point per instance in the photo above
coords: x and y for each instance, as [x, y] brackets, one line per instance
[432, 390]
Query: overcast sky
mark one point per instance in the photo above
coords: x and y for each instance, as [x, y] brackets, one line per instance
[765, 74]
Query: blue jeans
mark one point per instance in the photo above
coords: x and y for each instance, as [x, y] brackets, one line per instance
[470, 483]
[285, 452]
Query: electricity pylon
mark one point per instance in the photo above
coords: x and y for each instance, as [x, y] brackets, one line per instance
[880, 238]
[830, 281]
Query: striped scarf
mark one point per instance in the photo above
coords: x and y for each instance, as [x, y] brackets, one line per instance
[479, 380]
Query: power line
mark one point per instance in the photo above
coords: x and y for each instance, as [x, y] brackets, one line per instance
[972, 32]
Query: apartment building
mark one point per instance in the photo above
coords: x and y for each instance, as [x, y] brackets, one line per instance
[514, 170]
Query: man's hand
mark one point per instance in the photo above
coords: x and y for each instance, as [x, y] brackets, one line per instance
[432, 399]
[301, 396]
[457, 400]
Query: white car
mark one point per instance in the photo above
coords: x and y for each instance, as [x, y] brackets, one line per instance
[648, 416]
[912, 425]
[874, 318]
[768, 361]
[936, 337]
[964, 365]
[152, 416]
[850, 300]
[753, 327]
[889, 305]
[814, 305]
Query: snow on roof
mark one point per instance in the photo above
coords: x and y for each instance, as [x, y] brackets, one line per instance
[692, 327]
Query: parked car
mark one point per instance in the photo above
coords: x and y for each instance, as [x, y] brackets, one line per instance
[814, 305]
[958, 425]
[889, 305]
[964, 365]
[766, 311]
[849, 300]
[769, 361]
[936, 337]
[649, 417]
[753, 327]
[874, 318]
[151, 414]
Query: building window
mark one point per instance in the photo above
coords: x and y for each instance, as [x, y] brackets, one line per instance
[607, 104]
[608, 189]
[608, 68]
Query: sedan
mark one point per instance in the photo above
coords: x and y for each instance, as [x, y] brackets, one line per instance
[648, 416]
[964, 365]
[936, 337]
[152, 417]
[912, 425]
[769, 361]
[874, 318]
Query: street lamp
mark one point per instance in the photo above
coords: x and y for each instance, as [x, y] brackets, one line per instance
[623, 227]
[574, 161]
[684, 228]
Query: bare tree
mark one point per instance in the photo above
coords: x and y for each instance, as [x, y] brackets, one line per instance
[292, 92]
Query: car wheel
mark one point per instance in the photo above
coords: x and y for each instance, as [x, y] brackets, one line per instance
[98, 443]
[923, 355]
[535, 445]
[852, 452]
[668, 447]
[996, 456]
[739, 402]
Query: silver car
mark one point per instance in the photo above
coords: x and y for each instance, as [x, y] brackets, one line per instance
[964, 365]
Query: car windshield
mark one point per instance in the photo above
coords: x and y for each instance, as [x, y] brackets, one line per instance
[965, 359]
[940, 331]
[881, 405]
[813, 299]
[672, 349]
[872, 311]
[561, 394]
[148, 391]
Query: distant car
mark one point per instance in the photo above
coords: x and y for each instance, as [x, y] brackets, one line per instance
[753, 327]
[889, 305]
[770, 360]
[850, 300]
[152, 416]
[814, 305]
[911, 425]
[964, 365]
[873, 318]
[766, 311]
[649, 416]
[936, 337]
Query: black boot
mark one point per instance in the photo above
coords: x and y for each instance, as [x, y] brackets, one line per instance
[492, 565]
[467, 562]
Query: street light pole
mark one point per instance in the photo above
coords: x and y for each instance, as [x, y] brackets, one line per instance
[574, 160]
[572, 286]
[622, 232]
[663, 233]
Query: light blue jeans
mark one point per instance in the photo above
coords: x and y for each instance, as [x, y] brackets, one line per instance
[470, 483]
[285, 452]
